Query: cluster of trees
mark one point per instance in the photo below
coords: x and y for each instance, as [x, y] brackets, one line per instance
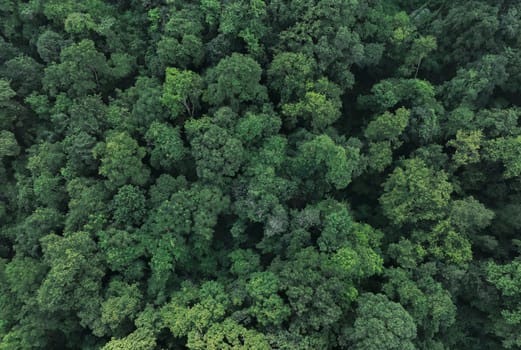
[251, 174]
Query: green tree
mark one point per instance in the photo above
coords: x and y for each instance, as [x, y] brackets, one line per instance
[8, 106]
[387, 126]
[381, 324]
[122, 251]
[87, 204]
[321, 158]
[415, 192]
[506, 319]
[73, 282]
[82, 70]
[140, 339]
[8, 145]
[121, 160]
[138, 106]
[289, 74]
[181, 91]
[507, 151]
[425, 299]
[235, 80]
[446, 244]
[35, 226]
[380, 155]
[228, 335]
[129, 206]
[121, 304]
[17, 70]
[49, 45]
[267, 306]
[320, 107]
[80, 158]
[467, 145]
[167, 145]
[217, 153]
[246, 20]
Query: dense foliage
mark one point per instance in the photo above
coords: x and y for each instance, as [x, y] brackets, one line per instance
[252, 174]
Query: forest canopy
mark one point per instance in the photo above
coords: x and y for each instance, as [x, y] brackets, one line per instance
[255, 175]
